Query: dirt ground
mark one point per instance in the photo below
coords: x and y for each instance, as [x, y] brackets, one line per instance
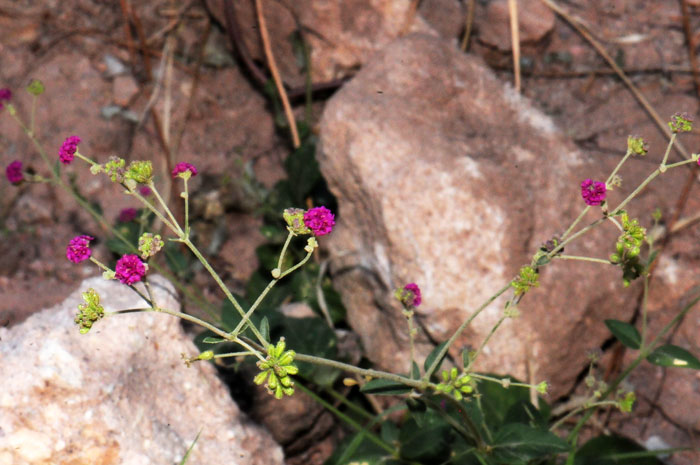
[104, 82]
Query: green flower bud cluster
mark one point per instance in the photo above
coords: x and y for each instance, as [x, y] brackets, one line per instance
[90, 311]
[149, 245]
[637, 146]
[140, 172]
[295, 221]
[276, 369]
[36, 87]
[625, 401]
[115, 169]
[527, 279]
[455, 384]
[627, 249]
[681, 122]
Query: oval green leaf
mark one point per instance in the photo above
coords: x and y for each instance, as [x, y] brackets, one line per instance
[673, 356]
[625, 333]
[518, 443]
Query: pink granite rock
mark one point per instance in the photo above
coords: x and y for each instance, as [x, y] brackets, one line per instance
[119, 394]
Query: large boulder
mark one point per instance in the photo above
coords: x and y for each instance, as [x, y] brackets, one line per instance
[120, 394]
[446, 177]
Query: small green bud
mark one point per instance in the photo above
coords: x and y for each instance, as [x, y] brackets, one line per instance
[272, 383]
[96, 169]
[292, 369]
[445, 375]
[140, 171]
[311, 245]
[637, 146]
[35, 87]
[279, 392]
[289, 391]
[206, 355]
[287, 358]
[260, 377]
[279, 350]
[453, 373]
[458, 395]
[295, 221]
[276, 273]
[466, 389]
[542, 387]
[625, 404]
[109, 274]
[286, 381]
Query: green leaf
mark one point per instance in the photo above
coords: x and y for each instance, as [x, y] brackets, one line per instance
[516, 443]
[673, 356]
[212, 340]
[433, 355]
[428, 442]
[384, 387]
[610, 450]
[496, 400]
[625, 333]
[312, 336]
[415, 371]
[265, 329]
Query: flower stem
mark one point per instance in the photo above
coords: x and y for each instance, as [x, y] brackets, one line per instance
[459, 330]
[483, 344]
[617, 168]
[584, 259]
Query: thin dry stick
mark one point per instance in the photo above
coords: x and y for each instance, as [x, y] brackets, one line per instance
[690, 40]
[515, 39]
[578, 25]
[410, 16]
[468, 23]
[276, 75]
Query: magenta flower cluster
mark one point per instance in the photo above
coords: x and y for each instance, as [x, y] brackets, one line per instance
[183, 167]
[129, 269]
[5, 96]
[68, 149]
[13, 172]
[127, 215]
[319, 220]
[593, 192]
[78, 248]
[415, 290]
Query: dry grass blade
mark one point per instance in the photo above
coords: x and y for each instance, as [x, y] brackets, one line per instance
[515, 40]
[468, 23]
[276, 75]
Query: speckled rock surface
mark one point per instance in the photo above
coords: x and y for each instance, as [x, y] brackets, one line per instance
[119, 394]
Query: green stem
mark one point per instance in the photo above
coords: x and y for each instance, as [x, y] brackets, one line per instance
[246, 317]
[668, 150]
[234, 354]
[578, 410]
[174, 226]
[342, 399]
[32, 114]
[284, 250]
[418, 384]
[645, 296]
[500, 381]
[680, 163]
[619, 165]
[644, 351]
[483, 343]
[576, 221]
[298, 265]
[409, 319]
[583, 259]
[639, 188]
[459, 330]
[187, 210]
[371, 436]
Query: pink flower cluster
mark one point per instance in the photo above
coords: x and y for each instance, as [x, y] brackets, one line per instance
[593, 192]
[415, 290]
[127, 215]
[68, 149]
[319, 220]
[5, 96]
[129, 269]
[13, 172]
[183, 167]
[78, 248]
